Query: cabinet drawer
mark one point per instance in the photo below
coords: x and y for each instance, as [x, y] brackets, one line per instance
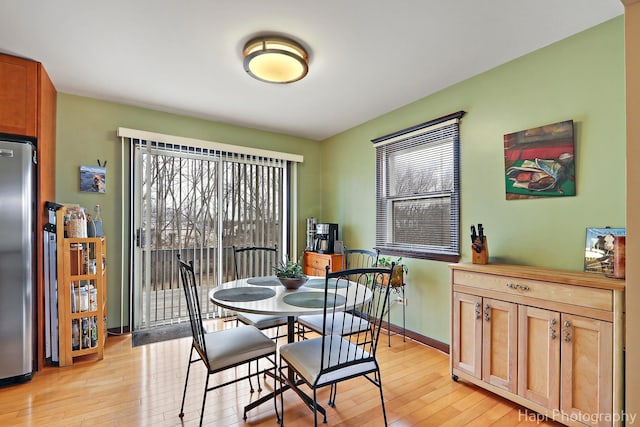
[513, 287]
[319, 262]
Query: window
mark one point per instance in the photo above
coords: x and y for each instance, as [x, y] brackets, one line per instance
[418, 190]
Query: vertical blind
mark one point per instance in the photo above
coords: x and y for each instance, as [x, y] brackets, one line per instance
[199, 199]
[200, 203]
[417, 189]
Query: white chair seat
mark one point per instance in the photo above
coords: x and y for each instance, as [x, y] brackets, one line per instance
[261, 321]
[348, 323]
[303, 356]
[230, 347]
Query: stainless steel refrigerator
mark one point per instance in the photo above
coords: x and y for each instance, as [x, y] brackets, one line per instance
[17, 178]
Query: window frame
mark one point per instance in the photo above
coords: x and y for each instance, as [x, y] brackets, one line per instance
[384, 201]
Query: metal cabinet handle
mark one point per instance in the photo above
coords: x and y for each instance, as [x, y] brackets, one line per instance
[486, 312]
[516, 287]
[552, 328]
[478, 314]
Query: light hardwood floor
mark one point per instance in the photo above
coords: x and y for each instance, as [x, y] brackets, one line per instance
[142, 386]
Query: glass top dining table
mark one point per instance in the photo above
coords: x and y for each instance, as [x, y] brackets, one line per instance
[265, 295]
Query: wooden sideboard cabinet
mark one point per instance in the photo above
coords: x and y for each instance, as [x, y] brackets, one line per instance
[314, 264]
[549, 340]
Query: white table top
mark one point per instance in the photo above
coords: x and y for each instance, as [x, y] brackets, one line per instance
[276, 306]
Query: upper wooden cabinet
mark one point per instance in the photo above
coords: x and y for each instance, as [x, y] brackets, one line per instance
[28, 109]
[18, 96]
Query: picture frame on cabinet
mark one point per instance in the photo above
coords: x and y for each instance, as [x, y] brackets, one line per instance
[93, 179]
[600, 248]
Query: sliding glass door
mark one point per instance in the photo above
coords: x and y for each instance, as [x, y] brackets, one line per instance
[197, 203]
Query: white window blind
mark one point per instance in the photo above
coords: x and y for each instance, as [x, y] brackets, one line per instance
[417, 190]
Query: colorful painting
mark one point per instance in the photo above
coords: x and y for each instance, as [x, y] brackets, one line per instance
[93, 179]
[599, 249]
[539, 162]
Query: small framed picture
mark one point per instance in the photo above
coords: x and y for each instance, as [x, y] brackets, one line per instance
[600, 248]
[93, 179]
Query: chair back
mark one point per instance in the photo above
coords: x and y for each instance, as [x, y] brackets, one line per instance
[339, 352]
[359, 258]
[254, 261]
[193, 305]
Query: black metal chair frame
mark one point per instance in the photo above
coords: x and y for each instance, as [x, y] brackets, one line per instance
[364, 258]
[274, 249]
[199, 345]
[363, 255]
[338, 355]
[265, 250]
[237, 250]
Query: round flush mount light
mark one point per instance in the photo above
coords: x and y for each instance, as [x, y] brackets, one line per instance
[275, 59]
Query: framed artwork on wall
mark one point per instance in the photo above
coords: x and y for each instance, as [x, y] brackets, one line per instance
[539, 162]
[600, 248]
[93, 179]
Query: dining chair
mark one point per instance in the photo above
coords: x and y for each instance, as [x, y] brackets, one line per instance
[329, 359]
[359, 258]
[219, 350]
[256, 261]
[353, 323]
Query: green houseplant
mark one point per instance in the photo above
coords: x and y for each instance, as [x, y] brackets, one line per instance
[289, 273]
[400, 269]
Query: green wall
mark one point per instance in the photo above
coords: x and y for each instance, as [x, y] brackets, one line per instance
[86, 132]
[579, 78]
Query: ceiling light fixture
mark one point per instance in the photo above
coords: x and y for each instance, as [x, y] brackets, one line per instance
[275, 59]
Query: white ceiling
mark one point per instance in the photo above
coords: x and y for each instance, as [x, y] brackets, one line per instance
[367, 57]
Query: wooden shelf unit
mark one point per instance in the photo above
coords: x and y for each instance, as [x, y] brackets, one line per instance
[82, 295]
[549, 340]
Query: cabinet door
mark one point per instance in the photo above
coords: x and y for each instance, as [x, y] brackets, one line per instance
[539, 356]
[499, 343]
[587, 368]
[18, 96]
[466, 348]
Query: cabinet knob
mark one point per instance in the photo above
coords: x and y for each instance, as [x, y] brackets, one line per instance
[567, 331]
[552, 328]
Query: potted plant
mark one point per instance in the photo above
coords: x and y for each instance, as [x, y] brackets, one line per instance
[400, 269]
[289, 273]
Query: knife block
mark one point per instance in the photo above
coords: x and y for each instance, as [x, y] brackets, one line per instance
[481, 257]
